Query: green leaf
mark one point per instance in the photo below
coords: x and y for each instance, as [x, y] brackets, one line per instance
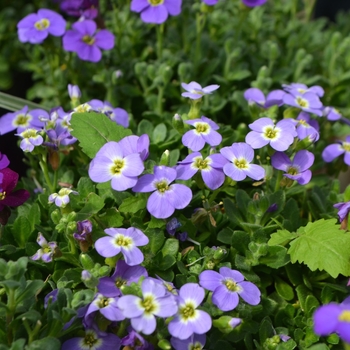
[112, 218]
[132, 204]
[44, 344]
[156, 239]
[22, 230]
[159, 133]
[276, 257]
[93, 205]
[284, 289]
[171, 247]
[322, 245]
[156, 223]
[13, 104]
[281, 237]
[32, 288]
[225, 235]
[93, 130]
[85, 186]
[145, 127]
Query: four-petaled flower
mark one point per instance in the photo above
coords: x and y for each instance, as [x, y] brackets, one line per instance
[226, 286]
[30, 139]
[189, 319]
[240, 156]
[61, 198]
[336, 149]
[155, 301]
[308, 102]
[156, 11]
[35, 27]
[125, 241]
[83, 40]
[264, 131]
[298, 169]
[166, 197]
[47, 251]
[196, 91]
[210, 169]
[203, 132]
[113, 162]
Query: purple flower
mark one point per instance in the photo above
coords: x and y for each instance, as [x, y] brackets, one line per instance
[204, 132]
[336, 149]
[106, 306]
[333, 318]
[195, 341]
[85, 42]
[166, 197]
[74, 92]
[264, 131]
[308, 102]
[297, 89]
[135, 341]
[61, 198]
[343, 210]
[35, 27]
[114, 162]
[227, 286]
[84, 231]
[125, 241]
[94, 341]
[195, 91]
[189, 319]
[22, 120]
[30, 139]
[306, 127]
[4, 162]
[210, 169]
[332, 114]
[156, 11]
[210, 2]
[155, 301]
[253, 3]
[135, 144]
[77, 8]
[47, 251]
[254, 95]
[118, 115]
[123, 275]
[298, 168]
[50, 297]
[235, 322]
[172, 225]
[240, 155]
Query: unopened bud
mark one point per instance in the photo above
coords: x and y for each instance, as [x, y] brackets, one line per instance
[178, 124]
[164, 159]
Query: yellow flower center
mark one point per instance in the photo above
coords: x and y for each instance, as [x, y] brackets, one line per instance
[346, 146]
[103, 302]
[120, 282]
[42, 24]
[2, 195]
[241, 163]
[188, 311]
[155, 2]
[303, 122]
[302, 102]
[117, 166]
[123, 241]
[231, 285]
[90, 341]
[293, 170]
[64, 192]
[162, 186]
[87, 39]
[29, 133]
[344, 316]
[83, 108]
[196, 346]
[21, 120]
[270, 133]
[202, 127]
[148, 304]
[201, 163]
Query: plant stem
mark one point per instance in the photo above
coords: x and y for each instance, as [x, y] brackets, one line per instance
[160, 36]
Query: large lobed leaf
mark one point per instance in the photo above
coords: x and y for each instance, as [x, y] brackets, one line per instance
[93, 130]
[322, 245]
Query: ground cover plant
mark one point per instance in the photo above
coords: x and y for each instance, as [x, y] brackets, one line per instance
[183, 186]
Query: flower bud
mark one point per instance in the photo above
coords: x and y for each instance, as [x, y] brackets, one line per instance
[164, 159]
[164, 344]
[178, 124]
[56, 216]
[86, 261]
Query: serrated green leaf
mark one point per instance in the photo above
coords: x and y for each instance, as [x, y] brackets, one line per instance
[132, 205]
[281, 237]
[93, 130]
[276, 257]
[322, 245]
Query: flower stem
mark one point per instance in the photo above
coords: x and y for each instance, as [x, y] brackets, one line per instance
[43, 166]
[160, 36]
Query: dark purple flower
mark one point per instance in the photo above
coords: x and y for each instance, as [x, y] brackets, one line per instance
[123, 275]
[189, 319]
[333, 318]
[195, 341]
[343, 210]
[47, 251]
[84, 40]
[114, 162]
[94, 341]
[240, 156]
[135, 341]
[156, 11]
[254, 95]
[210, 169]
[253, 3]
[195, 91]
[35, 27]
[172, 225]
[227, 286]
[85, 8]
[203, 132]
[155, 301]
[336, 149]
[125, 241]
[166, 197]
[298, 169]
[264, 132]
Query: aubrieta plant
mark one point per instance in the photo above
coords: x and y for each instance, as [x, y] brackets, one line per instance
[184, 183]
